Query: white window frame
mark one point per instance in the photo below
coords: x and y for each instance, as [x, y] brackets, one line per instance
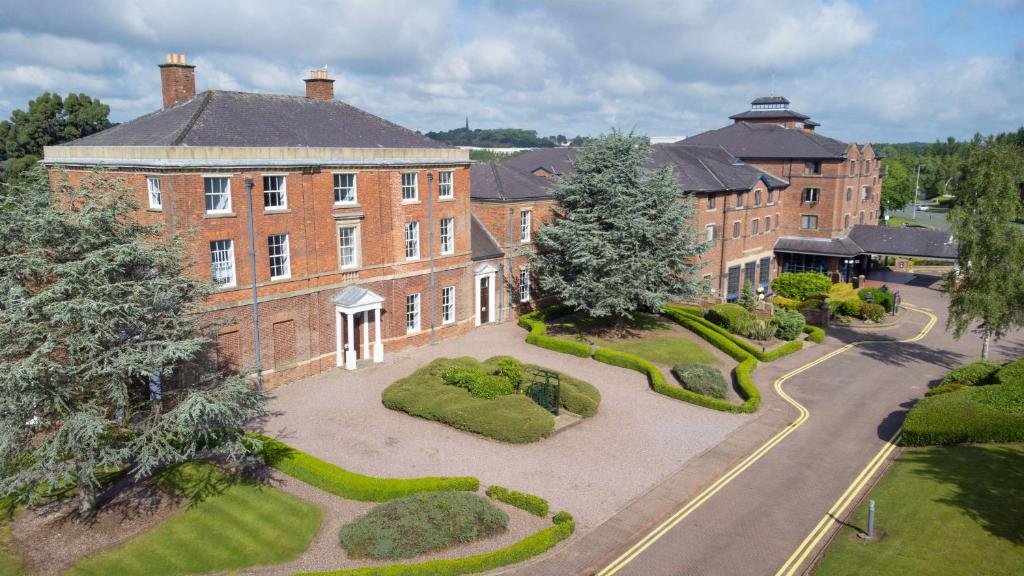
[412, 313]
[448, 305]
[412, 240]
[808, 217]
[226, 192]
[229, 251]
[447, 240]
[525, 226]
[446, 190]
[810, 195]
[414, 187]
[737, 230]
[354, 188]
[156, 200]
[284, 256]
[709, 233]
[755, 226]
[524, 285]
[282, 192]
[356, 252]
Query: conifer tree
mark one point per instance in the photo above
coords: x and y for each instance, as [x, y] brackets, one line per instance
[102, 353]
[621, 239]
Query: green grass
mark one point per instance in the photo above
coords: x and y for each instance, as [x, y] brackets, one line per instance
[646, 336]
[10, 562]
[952, 510]
[229, 525]
[897, 222]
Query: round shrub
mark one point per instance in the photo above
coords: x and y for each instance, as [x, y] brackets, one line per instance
[410, 526]
[512, 370]
[700, 379]
[881, 296]
[789, 324]
[787, 303]
[853, 308]
[729, 316]
[977, 373]
[801, 285]
[479, 384]
[1012, 373]
[873, 312]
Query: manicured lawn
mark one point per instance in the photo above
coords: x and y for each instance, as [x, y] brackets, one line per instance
[647, 336]
[897, 222]
[229, 525]
[944, 510]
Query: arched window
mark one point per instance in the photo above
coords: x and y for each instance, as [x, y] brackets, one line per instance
[846, 220]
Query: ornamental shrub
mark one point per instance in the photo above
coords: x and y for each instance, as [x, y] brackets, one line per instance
[943, 389]
[801, 285]
[873, 312]
[1012, 373]
[787, 303]
[460, 376]
[978, 373]
[701, 379]
[789, 324]
[852, 308]
[759, 329]
[728, 316]
[974, 414]
[881, 296]
[811, 304]
[748, 298]
[512, 370]
[410, 526]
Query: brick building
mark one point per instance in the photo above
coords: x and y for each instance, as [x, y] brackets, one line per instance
[361, 228]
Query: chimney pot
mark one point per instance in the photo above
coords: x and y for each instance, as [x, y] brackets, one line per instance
[319, 86]
[177, 79]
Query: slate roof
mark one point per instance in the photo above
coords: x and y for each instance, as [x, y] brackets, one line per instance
[865, 239]
[769, 114]
[770, 100]
[699, 169]
[222, 118]
[484, 246]
[770, 141]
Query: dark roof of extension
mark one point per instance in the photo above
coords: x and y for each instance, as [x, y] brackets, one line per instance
[769, 114]
[699, 169]
[220, 118]
[864, 239]
[770, 141]
[484, 246]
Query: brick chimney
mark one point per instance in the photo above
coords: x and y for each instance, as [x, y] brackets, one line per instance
[178, 79]
[319, 86]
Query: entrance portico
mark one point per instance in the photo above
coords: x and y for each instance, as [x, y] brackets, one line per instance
[484, 282]
[354, 304]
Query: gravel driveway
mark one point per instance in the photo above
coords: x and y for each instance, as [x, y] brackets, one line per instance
[593, 469]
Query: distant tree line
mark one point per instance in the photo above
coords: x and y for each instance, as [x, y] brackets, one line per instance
[501, 138]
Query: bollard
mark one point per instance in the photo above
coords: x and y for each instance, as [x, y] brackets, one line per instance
[871, 518]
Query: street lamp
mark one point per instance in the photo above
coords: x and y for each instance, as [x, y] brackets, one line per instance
[917, 186]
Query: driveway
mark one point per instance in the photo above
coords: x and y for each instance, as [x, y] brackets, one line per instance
[593, 469]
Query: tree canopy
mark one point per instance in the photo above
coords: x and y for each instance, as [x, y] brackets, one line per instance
[104, 361]
[621, 239]
[49, 120]
[988, 286]
[897, 186]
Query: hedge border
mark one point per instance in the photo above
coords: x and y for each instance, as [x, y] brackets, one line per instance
[533, 504]
[533, 545]
[814, 334]
[783, 350]
[350, 485]
[534, 322]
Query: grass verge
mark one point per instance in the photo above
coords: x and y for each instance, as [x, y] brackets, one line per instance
[951, 510]
[231, 524]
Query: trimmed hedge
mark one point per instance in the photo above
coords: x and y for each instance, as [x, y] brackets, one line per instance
[534, 322]
[801, 285]
[533, 504]
[973, 414]
[1012, 373]
[814, 334]
[676, 312]
[732, 317]
[977, 373]
[532, 545]
[337, 480]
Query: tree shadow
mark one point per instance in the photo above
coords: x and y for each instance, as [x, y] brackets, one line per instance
[892, 421]
[890, 351]
[989, 482]
[582, 326]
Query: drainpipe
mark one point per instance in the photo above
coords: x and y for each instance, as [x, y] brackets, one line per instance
[723, 278]
[508, 313]
[252, 277]
[433, 278]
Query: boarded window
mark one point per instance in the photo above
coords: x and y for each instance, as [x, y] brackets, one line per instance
[229, 351]
[284, 343]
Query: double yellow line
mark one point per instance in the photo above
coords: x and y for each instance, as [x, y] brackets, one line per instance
[681, 514]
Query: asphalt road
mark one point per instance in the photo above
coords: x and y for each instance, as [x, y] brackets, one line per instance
[856, 401]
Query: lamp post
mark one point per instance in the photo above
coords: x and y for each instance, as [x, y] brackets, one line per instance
[917, 186]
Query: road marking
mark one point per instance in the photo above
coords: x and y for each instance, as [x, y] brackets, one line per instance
[658, 532]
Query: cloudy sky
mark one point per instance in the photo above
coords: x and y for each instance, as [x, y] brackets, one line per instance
[885, 70]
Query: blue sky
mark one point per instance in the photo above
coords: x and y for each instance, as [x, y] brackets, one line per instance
[895, 70]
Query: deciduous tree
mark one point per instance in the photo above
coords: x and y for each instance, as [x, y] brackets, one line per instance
[622, 239]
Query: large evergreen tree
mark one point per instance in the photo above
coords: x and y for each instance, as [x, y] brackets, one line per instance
[897, 186]
[102, 354]
[621, 239]
[988, 287]
[50, 120]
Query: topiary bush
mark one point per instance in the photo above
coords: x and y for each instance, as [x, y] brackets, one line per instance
[872, 312]
[801, 285]
[1012, 373]
[533, 504]
[413, 525]
[729, 316]
[788, 324]
[978, 373]
[881, 296]
[700, 379]
[973, 414]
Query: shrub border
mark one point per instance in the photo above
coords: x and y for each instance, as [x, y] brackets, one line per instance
[533, 504]
[533, 545]
[336, 480]
[534, 322]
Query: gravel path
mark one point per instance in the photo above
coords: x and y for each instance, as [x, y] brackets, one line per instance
[593, 469]
[325, 552]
